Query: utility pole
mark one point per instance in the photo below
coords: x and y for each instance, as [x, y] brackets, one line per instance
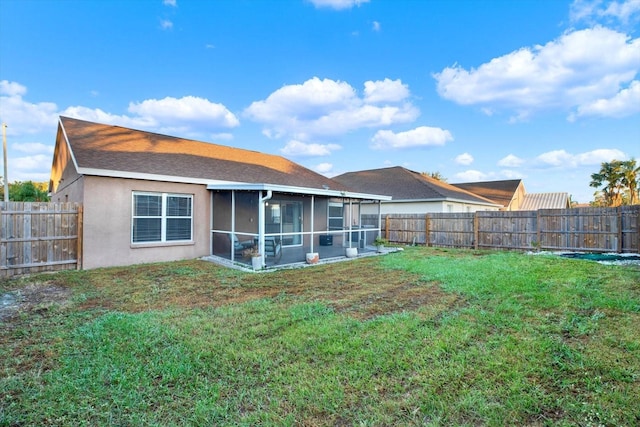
[4, 152]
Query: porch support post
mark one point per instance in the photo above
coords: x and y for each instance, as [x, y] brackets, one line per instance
[210, 222]
[313, 205]
[380, 218]
[261, 222]
[233, 224]
[350, 222]
[261, 215]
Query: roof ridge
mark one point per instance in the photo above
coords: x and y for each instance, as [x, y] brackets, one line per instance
[439, 184]
[165, 136]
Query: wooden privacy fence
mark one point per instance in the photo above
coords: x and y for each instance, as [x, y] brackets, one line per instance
[38, 237]
[580, 229]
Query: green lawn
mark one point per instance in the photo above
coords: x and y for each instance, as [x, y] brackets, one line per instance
[421, 337]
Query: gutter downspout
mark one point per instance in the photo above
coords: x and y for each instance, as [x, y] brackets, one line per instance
[261, 221]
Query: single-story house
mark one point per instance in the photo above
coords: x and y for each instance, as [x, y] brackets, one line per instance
[413, 192]
[512, 195]
[149, 197]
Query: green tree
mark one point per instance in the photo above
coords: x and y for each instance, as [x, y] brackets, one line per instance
[620, 181]
[630, 172]
[28, 191]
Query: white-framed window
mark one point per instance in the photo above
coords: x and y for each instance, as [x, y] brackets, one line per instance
[335, 216]
[161, 217]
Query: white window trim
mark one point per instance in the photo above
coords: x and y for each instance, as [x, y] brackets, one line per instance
[341, 217]
[163, 217]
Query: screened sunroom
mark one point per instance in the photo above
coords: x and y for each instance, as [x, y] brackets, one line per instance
[271, 225]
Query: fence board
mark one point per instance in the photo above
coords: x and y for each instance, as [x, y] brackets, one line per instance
[580, 229]
[38, 237]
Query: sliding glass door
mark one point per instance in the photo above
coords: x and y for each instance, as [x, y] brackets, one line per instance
[285, 219]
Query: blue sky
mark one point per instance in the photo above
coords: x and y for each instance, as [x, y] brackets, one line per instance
[542, 90]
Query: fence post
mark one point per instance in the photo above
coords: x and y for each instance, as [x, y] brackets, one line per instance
[80, 225]
[427, 231]
[619, 225]
[476, 223]
[387, 234]
[538, 229]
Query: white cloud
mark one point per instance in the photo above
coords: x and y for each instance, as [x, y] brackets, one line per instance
[23, 117]
[419, 137]
[376, 26]
[386, 90]
[511, 161]
[324, 168]
[172, 3]
[596, 157]
[297, 148]
[471, 176]
[182, 115]
[165, 24]
[168, 115]
[171, 110]
[593, 10]
[35, 162]
[510, 174]
[464, 159]
[574, 70]
[32, 147]
[624, 103]
[99, 116]
[624, 11]
[328, 107]
[338, 4]
[556, 158]
[12, 88]
[561, 158]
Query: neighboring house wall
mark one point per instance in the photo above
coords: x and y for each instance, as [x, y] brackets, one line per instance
[423, 207]
[108, 216]
[518, 198]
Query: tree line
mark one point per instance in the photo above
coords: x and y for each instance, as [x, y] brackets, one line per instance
[27, 191]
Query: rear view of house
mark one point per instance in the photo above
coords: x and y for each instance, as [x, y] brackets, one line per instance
[149, 197]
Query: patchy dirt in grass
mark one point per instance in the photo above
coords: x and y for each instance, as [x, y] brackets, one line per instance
[361, 289]
[34, 297]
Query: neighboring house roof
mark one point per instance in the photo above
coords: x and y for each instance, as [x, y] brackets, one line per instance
[406, 185]
[535, 201]
[107, 150]
[499, 191]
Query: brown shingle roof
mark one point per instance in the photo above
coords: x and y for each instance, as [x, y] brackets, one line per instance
[499, 191]
[110, 148]
[404, 184]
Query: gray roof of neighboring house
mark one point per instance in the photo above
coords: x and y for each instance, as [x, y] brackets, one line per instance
[535, 201]
[404, 184]
[499, 191]
[106, 150]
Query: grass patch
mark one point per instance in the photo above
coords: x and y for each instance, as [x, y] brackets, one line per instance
[423, 337]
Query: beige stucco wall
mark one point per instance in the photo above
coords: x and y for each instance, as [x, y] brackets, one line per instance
[107, 223]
